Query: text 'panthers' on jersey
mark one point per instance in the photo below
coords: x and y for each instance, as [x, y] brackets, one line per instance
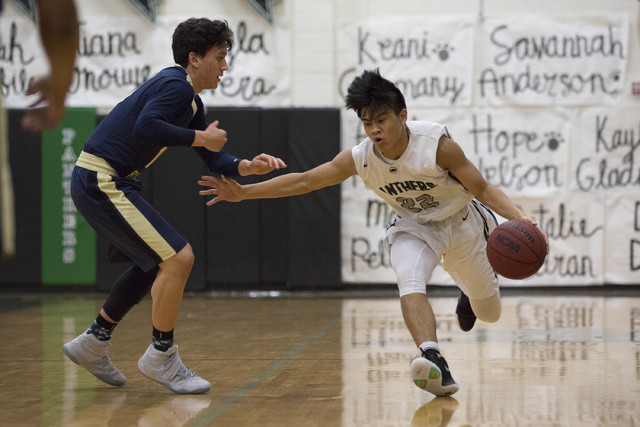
[414, 186]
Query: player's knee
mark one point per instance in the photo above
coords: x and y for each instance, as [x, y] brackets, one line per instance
[491, 317]
[488, 310]
[411, 286]
[185, 257]
[179, 265]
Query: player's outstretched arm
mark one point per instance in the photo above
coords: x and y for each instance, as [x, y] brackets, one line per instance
[291, 184]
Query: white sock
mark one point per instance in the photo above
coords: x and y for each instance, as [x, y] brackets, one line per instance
[427, 345]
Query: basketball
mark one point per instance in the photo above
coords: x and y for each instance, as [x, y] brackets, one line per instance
[516, 249]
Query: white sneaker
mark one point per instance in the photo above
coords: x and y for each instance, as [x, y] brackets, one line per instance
[92, 354]
[167, 369]
[430, 372]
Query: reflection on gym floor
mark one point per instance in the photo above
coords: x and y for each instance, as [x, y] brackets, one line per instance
[330, 361]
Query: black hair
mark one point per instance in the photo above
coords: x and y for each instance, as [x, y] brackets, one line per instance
[372, 92]
[199, 35]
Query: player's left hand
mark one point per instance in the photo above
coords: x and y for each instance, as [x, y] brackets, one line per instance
[40, 117]
[261, 164]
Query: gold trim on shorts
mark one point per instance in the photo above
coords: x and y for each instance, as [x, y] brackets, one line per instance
[95, 163]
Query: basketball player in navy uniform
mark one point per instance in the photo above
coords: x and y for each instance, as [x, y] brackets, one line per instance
[166, 111]
[442, 210]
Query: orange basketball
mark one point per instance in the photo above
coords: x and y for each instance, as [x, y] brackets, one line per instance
[516, 249]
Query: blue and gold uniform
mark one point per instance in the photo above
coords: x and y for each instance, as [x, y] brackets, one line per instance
[161, 113]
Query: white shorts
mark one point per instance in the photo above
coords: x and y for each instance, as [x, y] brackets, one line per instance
[461, 240]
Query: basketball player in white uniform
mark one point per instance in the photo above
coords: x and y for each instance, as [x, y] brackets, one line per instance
[442, 210]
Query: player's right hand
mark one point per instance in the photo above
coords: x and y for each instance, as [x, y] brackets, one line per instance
[212, 138]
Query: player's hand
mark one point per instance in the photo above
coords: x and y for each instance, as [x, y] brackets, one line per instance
[212, 138]
[41, 117]
[260, 164]
[534, 222]
[224, 189]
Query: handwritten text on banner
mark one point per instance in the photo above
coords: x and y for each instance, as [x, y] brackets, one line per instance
[548, 60]
[429, 59]
[117, 54]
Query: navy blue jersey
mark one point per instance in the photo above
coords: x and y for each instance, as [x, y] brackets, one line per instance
[162, 112]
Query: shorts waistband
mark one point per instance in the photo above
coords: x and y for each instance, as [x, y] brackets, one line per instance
[95, 163]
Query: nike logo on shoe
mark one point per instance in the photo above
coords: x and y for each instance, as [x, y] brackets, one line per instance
[464, 218]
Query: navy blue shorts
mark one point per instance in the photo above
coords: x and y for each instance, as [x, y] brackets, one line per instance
[115, 208]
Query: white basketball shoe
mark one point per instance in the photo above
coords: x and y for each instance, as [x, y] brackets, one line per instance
[167, 369]
[92, 354]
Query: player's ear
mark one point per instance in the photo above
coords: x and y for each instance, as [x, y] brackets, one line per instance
[403, 116]
[194, 59]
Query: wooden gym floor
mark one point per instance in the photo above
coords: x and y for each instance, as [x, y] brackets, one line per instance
[341, 359]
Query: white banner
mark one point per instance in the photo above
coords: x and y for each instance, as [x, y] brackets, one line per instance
[428, 58]
[259, 72]
[622, 245]
[524, 152]
[21, 57]
[552, 60]
[117, 54]
[605, 168]
[606, 151]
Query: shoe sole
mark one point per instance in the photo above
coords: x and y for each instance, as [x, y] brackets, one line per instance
[427, 376]
[103, 378]
[144, 371]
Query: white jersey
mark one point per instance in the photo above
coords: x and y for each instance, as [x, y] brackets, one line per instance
[414, 186]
